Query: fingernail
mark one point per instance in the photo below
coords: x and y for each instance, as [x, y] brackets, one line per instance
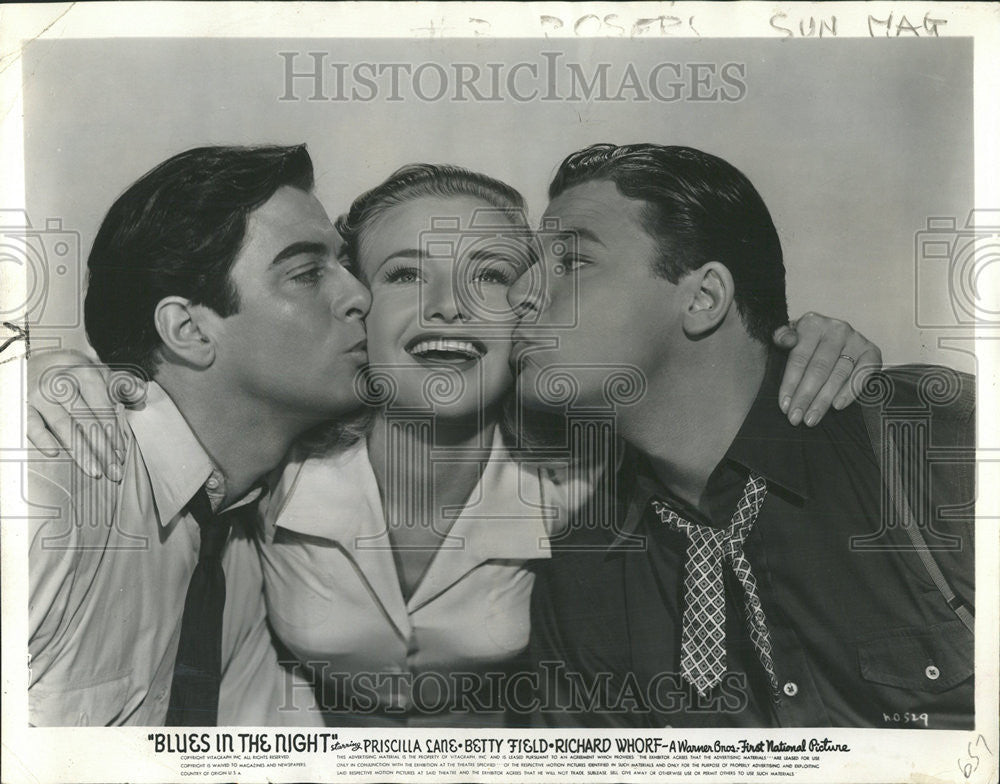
[115, 473]
[796, 416]
[812, 418]
[786, 401]
[120, 455]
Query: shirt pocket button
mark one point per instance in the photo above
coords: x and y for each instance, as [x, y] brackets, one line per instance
[932, 672]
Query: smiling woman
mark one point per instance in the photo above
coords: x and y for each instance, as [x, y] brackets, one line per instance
[381, 569]
[438, 308]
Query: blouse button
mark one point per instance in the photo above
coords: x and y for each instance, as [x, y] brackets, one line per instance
[932, 672]
[791, 688]
[212, 483]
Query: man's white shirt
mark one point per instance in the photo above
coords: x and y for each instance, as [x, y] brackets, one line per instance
[109, 567]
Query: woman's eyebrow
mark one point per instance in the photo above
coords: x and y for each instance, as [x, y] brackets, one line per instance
[406, 253]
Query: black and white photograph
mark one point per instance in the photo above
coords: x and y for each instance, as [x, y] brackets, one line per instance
[454, 391]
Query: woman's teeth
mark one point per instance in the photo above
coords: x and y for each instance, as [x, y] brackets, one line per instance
[446, 349]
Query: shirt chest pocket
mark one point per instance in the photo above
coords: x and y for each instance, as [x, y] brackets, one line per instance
[929, 659]
[95, 705]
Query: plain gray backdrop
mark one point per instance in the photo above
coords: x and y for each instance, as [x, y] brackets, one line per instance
[853, 144]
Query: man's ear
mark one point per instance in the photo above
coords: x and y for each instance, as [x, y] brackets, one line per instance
[711, 295]
[185, 330]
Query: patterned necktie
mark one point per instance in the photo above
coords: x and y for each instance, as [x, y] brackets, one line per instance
[703, 639]
[194, 691]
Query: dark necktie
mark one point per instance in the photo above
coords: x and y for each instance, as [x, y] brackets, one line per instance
[194, 691]
[703, 636]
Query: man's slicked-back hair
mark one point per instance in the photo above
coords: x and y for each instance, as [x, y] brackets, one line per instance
[698, 208]
[176, 232]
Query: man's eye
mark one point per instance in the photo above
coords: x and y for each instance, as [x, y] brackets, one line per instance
[309, 276]
[570, 264]
[403, 274]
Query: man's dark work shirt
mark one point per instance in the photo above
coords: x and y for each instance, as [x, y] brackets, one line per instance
[861, 636]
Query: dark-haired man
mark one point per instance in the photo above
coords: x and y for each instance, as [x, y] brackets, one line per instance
[216, 276]
[741, 578]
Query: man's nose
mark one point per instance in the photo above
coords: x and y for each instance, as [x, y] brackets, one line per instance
[352, 299]
[527, 296]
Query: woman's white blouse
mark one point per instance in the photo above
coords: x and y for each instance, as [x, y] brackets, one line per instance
[334, 598]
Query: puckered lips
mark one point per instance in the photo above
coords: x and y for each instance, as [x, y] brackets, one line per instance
[361, 347]
[444, 349]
